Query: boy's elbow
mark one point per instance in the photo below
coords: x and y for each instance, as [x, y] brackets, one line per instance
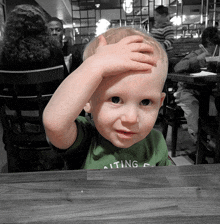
[58, 134]
[176, 69]
[179, 67]
[49, 123]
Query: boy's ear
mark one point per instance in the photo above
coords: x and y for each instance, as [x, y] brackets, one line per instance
[163, 95]
[88, 107]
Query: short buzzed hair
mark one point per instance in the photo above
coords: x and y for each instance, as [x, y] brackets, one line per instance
[162, 10]
[55, 19]
[114, 35]
[210, 34]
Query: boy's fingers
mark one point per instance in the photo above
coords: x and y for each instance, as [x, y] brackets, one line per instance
[141, 66]
[144, 58]
[132, 39]
[141, 47]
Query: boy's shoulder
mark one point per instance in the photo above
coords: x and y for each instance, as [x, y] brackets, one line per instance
[156, 142]
[85, 124]
[82, 119]
[154, 134]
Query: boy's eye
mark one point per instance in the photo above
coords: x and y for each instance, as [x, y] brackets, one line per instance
[145, 102]
[115, 99]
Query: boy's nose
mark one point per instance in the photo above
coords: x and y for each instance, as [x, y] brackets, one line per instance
[130, 116]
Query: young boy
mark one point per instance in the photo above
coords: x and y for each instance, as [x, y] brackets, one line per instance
[120, 83]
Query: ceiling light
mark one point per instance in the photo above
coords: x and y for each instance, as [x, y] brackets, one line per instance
[101, 26]
[128, 6]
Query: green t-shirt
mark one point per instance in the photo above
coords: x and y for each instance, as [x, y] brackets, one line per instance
[92, 151]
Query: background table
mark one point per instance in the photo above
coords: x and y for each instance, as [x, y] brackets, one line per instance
[196, 80]
[187, 194]
[207, 86]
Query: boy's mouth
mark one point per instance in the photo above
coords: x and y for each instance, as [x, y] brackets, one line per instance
[125, 134]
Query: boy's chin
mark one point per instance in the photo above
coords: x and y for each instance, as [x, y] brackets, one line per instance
[123, 142]
[123, 145]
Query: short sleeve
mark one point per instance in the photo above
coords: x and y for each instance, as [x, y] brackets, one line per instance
[75, 155]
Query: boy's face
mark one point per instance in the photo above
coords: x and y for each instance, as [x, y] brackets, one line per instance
[125, 107]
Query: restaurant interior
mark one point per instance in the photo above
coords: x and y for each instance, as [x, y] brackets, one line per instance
[85, 19]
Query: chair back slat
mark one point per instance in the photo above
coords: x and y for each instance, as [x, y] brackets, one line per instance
[32, 76]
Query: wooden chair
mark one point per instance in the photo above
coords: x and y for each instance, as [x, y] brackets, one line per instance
[23, 98]
[172, 115]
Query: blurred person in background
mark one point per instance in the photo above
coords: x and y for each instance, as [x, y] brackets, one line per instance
[187, 95]
[27, 44]
[58, 33]
[56, 30]
[163, 30]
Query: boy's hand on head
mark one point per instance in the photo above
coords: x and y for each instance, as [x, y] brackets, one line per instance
[129, 54]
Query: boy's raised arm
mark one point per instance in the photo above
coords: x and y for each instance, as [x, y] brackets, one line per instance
[76, 90]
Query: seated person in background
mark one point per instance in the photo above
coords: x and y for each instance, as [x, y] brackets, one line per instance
[186, 95]
[120, 83]
[27, 44]
[56, 30]
[163, 30]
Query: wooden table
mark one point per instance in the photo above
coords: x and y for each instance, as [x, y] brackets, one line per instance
[197, 80]
[205, 84]
[184, 194]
